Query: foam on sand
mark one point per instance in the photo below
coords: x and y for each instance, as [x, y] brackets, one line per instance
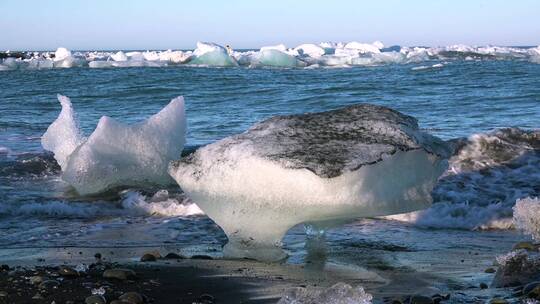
[320, 168]
[116, 154]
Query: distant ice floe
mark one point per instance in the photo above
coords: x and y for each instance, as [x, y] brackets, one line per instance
[116, 154]
[488, 175]
[318, 168]
[208, 54]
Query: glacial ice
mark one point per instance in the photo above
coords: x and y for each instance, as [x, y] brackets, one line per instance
[211, 54]
[276, 58]
[320, 168]
[116, 154]
[334, 54]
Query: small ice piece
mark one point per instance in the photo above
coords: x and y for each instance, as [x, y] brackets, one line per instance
[119, 56]
[116, 154]
[311, 50]
[359, 161]
[276, 58]
[340, 293]
[211, 54]
[527, 216]
[364, 47]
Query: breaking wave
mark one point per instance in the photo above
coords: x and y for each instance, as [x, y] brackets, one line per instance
[487, 174]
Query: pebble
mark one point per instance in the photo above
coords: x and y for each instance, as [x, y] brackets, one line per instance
[419, 299]
[35, 280]
[147, 257]
[132, 298]
[173, 256]
[95, 299]
[498, 301]
[532, 290]
[48, 284]
[525, 245]
[202, 257]
[4, 267]
[119, 274]
[68, 272]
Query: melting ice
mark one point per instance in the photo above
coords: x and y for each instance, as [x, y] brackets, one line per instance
[308, 54]
[116, 154]
[319, 168]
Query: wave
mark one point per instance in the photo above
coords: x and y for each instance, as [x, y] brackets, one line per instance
[131, 203]
[487, 174]
[208, 54]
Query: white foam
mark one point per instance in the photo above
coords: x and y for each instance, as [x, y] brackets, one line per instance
[160, 204]
[527, 216]
[484, 180]
[116, 154]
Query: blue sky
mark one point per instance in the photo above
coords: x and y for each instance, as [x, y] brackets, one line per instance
[119, 24]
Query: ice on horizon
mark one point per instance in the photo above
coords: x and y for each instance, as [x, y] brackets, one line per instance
[116, 154]
[319, 168]
[325, 54]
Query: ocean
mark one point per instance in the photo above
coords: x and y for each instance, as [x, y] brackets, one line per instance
[488, 105]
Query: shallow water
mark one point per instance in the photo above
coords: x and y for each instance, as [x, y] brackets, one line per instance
[461, 98]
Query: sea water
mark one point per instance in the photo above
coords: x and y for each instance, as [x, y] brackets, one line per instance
[456, 98]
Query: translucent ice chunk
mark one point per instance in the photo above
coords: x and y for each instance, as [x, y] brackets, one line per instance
[116, 154]
[340, 293]
[211, 54]
[359, 161]
[275, 58]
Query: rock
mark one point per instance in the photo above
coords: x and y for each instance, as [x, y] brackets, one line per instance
[119, 302]
[4, 267]
[498, 301]
[3, 294]
[37, 296]
[132, 297]
[532, 290]
[206, 299]
[68, 272]
[174, 256]
[147, 257]
[483, 285]
[419, 299]
[119, 274]
[95, 299]
[48, 284]
[525, 245]
[36, 279]
[517, 268]
[490, 270]
[97, 256]
[202, 257]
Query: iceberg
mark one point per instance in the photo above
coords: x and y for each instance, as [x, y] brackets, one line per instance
[310, 50]
[320, 169]
[277, 58]
[116, 154]
[211, 54]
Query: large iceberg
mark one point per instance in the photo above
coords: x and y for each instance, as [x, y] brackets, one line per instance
[277, 57]
[116, 154]
[211, 54]
[320, 168]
